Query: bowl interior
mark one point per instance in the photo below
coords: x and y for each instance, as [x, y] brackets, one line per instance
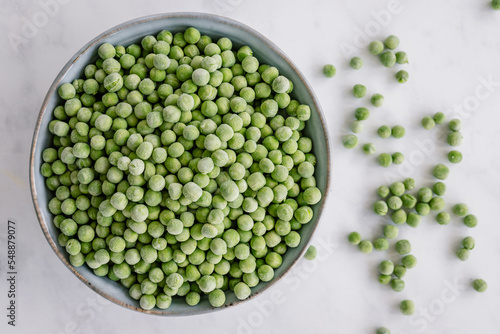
[132, 32]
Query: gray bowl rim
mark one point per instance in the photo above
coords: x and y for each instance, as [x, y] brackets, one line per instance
[53, 89]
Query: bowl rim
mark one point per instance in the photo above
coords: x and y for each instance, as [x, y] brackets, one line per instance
[52, 90]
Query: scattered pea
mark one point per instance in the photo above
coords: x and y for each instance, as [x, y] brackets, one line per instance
[356, 126]
[388, 58]
[368, 148]
[463, 254]
[455, 156]
[402, 76]
[377, 100]
[455, 125]
[391, 42]
[407, 307]
[329, 70]
[439, 118]
[311, 253]
[365, 246]
[350, 141]
[460, 209]
[469, 220]
[440, 172]
[401, 57]
[381, 244]
[398, 131]
[354, 238]
[359, 91]
[479, 285]
[384, 131]
[362, 114]
[376, 48]
[384, 160]
[468, 243]
[356, 63]
[428, 123]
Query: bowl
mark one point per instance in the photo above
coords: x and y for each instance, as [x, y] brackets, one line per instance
[131, 32]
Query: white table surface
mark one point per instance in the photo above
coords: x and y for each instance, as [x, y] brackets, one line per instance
[454, 48]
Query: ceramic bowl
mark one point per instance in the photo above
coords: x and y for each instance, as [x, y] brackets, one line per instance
[132, 32]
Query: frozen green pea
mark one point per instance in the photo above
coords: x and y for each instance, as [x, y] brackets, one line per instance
[354, 238]
[388, 58]
[407, 307]
[397, 188]
[479, 284]
[386, 267]
[391, 231]
[382, 330]
[463, 254]
[381, 244]
[350, 141]
[384, 279]
[391, 42]
[424, 195]
[397, 284]
[398, 131]
[369, 148]
[403, 247]
[443, 218]
[399, 216]
[383, 191]
[359, 91]
[428, 123]
[468, 243]
[402, 76]
[439, 117]
[460, 209]
[356, 63]
[441, 172]
[454, 156]
[380, 208]
[377, 100]
[356, 126]
[409, 261]
[401, 57]
[398, 158]
[384, 159]
[469, 220]
[311, 253]
[455, 138]
[455, 125]
[376, 48]
[384, 131]
[362, 114]
[365, 246]
[329, 71]
[413, 219]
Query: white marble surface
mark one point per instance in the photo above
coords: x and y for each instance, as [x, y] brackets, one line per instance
[454, 47]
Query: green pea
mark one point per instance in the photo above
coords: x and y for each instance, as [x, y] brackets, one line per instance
[359, 91]
[407, 307]
[311, 253]
[391, 42]
[428, 123]
[354, 238]
[377, 100]
[402, 76]
[479, 284]
[350, 141]
[376, 47]
[356, 63]
[329, 70]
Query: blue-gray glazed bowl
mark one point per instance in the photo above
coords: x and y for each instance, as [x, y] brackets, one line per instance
[132, 32]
